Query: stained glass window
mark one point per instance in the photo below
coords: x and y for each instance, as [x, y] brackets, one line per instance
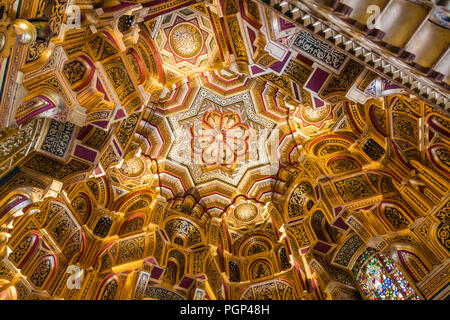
[380, 278]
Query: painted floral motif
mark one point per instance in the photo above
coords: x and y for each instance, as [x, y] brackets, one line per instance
[310, 44]
[186, 40]
[43, 271]
[58, 137]
[245, 212]
[184, 229]
[443, 231]
[348, 249]
[133, 167]
[110, 290]
[74, 71]
[221, 139]
[260, 269]
[298, 197]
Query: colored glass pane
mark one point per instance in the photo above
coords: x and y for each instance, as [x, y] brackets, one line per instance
[381, 279]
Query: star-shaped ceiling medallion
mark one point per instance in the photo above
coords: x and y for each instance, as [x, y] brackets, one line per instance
[186, 40]
[186, 43]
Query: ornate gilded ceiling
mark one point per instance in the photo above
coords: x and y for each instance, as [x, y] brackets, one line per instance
[223, 149]
[225, 136]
